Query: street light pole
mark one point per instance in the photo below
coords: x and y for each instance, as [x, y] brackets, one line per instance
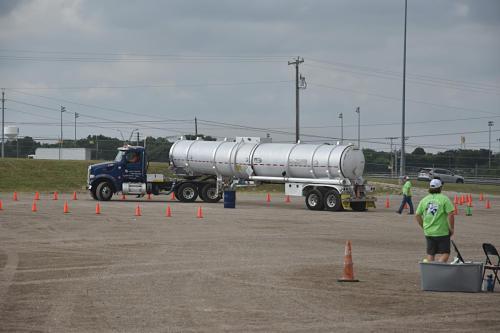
[3, 122]
[359, 127]
[298, 86]
[63, 109]
[341, 116]
[490, 124]
[403, 163]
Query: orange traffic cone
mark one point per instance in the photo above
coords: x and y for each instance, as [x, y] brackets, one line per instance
[124, 197]
[37, 196]
[149, 196]
[33, 206]
[455, 200]
[138, 211]
[66, 208]
[287, 199]
[74, 196]
[488, 205]
[168, 212]
[268, 197]
[406, 206]
[455, 211]
[56, 196]
[97, 209]
[199, 214]
[1, 205]
[481, 197]
[14, 196]
[172, 197]
[462, 200]
[348, 265]
[387, 202]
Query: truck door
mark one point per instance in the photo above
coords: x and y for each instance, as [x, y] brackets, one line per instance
[133, 167]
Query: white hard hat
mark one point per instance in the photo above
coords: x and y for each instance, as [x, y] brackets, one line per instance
[435, 183]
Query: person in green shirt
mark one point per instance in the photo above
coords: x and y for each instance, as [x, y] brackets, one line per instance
[435, 216]
[406, 196]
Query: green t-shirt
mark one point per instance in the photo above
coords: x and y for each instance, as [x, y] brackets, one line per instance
[434, 209]
[407, 188]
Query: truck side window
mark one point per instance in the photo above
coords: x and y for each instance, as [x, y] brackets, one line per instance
[133, 157]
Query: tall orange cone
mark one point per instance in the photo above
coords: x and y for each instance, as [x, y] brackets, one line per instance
[488, 205]
[56, 196]
[97, 209]
[37, 196]
[387, 202]
[149, 196]
[348, 265]
[1, 205]
[66, 208]
[138, 211]
[455, 211]
[33, 206]
[268, 197]
[74, 196]
[455, 200]
[406, 206]
[172, 197]
[481, 197]
[199, 214]
[287, 199]
[14, 196]
[168, 212]
[462, 200]
[124, 197]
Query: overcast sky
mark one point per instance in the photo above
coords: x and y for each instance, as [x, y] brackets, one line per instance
[156, 65]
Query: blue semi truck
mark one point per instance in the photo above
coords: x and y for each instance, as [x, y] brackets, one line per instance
[128, 174]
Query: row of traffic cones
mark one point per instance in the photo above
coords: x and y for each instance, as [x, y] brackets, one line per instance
[55, 196]
[168, 211]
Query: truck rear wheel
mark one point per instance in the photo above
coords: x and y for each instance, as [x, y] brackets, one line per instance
[209, 193]
[187, 192]
[332, 201]
[314, 200]
[104, 191]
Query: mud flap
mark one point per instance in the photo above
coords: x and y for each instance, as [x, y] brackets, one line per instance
[344, 198]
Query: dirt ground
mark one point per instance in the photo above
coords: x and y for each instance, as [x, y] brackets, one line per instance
[260, 268]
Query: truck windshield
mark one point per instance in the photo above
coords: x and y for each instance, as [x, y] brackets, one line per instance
[119, 156]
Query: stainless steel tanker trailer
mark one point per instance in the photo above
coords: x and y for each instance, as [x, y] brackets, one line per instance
[328, 176]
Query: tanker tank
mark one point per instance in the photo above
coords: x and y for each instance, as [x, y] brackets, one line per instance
[279, 162]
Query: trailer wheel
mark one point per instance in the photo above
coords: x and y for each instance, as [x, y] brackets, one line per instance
[104, 191]
[209, 193]
[358, 206]
[187, 192]
[314, 200]
[93, 195]
[332, 201]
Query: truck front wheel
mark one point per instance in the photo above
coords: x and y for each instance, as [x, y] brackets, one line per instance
[314, 200]
[209, 193]
[104, 191]
[187, 192]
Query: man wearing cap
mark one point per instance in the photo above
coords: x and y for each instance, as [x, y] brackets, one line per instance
[406, 196]
[435, 216]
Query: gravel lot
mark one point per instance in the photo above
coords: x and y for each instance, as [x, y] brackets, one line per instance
[260, 268]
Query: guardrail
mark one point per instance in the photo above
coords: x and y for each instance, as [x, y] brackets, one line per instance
[468, 180]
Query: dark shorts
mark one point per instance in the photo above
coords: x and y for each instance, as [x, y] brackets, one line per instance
[438, 245]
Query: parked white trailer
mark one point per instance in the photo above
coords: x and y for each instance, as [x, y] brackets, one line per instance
[329, 176]
[66, 154]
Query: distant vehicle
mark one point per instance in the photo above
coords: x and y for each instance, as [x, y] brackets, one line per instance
[446, 176]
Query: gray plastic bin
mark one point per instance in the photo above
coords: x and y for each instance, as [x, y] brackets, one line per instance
[446, 277]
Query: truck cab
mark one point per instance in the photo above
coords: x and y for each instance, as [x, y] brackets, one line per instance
[126, 173]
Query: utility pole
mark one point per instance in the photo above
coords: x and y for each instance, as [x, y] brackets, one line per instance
[3, 122]
[490, 124]
[403, 164]
[137, 143]
[63, 109]
[298, 86]
[341, 116]
[76, 116]
[392, 157]
[359, 127]
[195, 127]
